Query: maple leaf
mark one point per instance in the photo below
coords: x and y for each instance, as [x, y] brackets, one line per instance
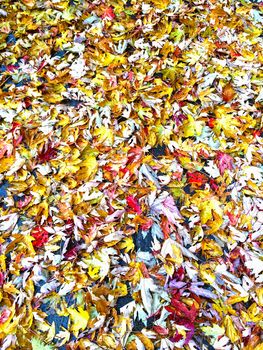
[231, 331]
[79, 319]
[29, 3]
[228, 93]
[161, 330]
[4, 316]
[192, 127]
[211, 249]
[108, 14]
[6, 163]
[88, 168]
[207, 207]
[40, 236]
[134, 204]
[47, 154]
[225, 161]
[165, 205]
[196, 178]
[127, 244]
[226, 121]
[37, 344]
[104, 135]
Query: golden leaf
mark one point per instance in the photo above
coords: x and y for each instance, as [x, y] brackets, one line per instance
[231, 331]
[79, 319]
[108, 340]
[206, 273]
[104, 135]
[127, 244]
[6, 163]
[211, 249]
[146, 341]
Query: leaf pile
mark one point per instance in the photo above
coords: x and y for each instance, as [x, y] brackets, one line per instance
[131, 174]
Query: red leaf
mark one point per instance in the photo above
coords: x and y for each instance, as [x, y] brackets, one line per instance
[48, 154]
[160, 330]
[165, 227]
[130, 76]
[2, 278]
[71, 253]
[196, 178]
[134, 204]
[40, 235]
[179, 274]
[232, 218]
[17, 141]
[180, 310]
[14, 126]
[177, 337]
[69, 227]
[108, 14]
[213, 184]
[211, 123]
[134, 154]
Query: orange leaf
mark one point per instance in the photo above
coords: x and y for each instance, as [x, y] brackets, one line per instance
[228, 93]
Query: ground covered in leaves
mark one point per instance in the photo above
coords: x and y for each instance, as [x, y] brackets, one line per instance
[131, 175]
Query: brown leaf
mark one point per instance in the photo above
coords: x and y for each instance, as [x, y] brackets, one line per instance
[228, 93]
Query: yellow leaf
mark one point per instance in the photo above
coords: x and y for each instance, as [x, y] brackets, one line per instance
[160, 4]
[152, 139]
[51, 333]
[204, 93]
[226, 122]
[107, 58]
[211, 249]
[231, 331]
[10, 289]
[6, 163]
[254, 313]
[146, 341]
[53, 98]
[192, 127]
[94, 272]
[127, 244]
[236, 299]
[121, 289]
[88, 168]
[169, 268]
[207, 207]
[248, 55]
[259, 292]
[40, 209]
[207, 274]
[104, 135]
[29, 3]
[79, 319]
[108, 340]
[2, 262]
[215, 224]
[131, 345]
[68, 14]
[172, 253]
[10, 323]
